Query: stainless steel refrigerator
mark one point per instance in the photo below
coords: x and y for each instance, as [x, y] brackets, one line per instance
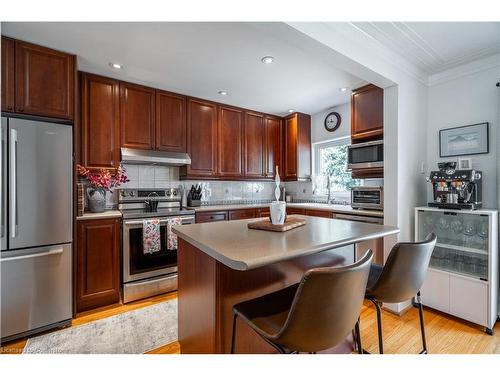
[36, 226]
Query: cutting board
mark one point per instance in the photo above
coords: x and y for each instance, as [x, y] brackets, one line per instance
[290, 223]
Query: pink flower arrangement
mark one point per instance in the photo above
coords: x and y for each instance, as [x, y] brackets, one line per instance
[103, 179]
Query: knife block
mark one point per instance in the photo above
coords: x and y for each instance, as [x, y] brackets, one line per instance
[193, 203]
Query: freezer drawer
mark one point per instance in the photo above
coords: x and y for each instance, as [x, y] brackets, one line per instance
[35, 288]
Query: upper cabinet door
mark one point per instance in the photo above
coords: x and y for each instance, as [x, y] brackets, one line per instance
[137, 116]
[45, 81]
[230, 133]
[100, 134]
[367, 113]
[8, 51]
[272, 146]
[170, 122]
[201, 138]
[254, 137]
[290, 154]
[297, 147]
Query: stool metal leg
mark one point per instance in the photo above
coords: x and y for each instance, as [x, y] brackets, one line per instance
[233, 335]
[422, 327]
[357, 337]
[378, 306]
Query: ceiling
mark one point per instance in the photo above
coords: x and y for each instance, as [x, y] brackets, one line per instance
[200, 59]
[437, 46]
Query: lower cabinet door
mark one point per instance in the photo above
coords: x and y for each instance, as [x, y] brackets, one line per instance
[436, 290]
[98, 263]
[469, 299]
[242, 214]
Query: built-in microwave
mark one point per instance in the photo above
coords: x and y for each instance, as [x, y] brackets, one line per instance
[365, 155]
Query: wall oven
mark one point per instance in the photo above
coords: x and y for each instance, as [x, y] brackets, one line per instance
[366, 155]
[367, 197]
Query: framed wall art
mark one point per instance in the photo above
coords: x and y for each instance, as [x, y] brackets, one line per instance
[464, 140]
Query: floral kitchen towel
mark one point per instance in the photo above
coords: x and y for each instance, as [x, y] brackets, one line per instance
[171, 236]
[151, 241]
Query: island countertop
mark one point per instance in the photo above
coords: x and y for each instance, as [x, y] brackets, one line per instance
[240, 248]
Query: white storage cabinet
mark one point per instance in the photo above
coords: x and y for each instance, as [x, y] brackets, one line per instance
[463, 274]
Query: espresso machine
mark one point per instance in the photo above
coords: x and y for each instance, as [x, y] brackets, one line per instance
[459, 189]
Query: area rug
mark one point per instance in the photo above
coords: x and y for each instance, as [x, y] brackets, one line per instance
[133, 332]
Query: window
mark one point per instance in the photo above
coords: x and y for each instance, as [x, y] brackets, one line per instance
[330, 159]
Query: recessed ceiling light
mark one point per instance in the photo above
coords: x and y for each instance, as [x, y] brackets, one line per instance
[267, 59]
[115, 65]
[222, 92]
[343, 89]
[291, 110]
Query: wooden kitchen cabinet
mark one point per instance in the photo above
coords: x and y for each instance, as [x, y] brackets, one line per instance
[254, 137]
[297, 147]
[319, 213]
[377, 172]
[170, 122]
[262, 212]
[295, 211]
[8, 69]
[272, 146]
[367, 114]
[201, 139]
[100, 121]
[44, 81]
[137, 116]
[98, 263]
[230, 142]
[207, 217]
[246, 213]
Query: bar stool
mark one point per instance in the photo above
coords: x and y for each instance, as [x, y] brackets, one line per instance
[313, 315]
[400, 279]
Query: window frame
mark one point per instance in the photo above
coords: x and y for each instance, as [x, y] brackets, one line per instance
[317, 147]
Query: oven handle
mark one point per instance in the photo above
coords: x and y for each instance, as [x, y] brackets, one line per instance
[137, 222]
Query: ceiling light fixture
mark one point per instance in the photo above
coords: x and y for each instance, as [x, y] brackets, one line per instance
[115, 65]
[343, 89]
[291, 110]
[222, 92]
[267, 59]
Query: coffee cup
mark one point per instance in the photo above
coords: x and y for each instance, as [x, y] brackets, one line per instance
[278, 212]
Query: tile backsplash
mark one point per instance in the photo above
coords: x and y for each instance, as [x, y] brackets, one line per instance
[159, 177]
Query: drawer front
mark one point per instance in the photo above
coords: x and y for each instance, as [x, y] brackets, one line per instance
[295, 211]
[207, 217]
[319, 213]
[436, 290]
[469, 299]
[242, 214]
[262, 212]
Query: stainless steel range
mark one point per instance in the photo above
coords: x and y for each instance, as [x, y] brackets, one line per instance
[148, 274]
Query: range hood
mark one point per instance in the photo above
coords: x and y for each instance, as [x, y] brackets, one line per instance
[175, 159]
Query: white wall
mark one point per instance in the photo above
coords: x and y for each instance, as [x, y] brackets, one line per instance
[467, 100]
[318, 131]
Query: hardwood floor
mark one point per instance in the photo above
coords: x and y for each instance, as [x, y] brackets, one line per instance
[445, 334]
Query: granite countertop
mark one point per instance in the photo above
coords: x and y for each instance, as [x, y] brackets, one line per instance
[313, 206]
[240, 248]
[108, 214]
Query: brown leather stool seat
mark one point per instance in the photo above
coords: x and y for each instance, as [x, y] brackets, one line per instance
[313, 315]
[400, 279]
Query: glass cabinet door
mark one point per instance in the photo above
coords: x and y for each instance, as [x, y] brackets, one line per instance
[462, 241]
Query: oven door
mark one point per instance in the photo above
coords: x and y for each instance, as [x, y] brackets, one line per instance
[365, 155]
[367, 197]
[136, 264]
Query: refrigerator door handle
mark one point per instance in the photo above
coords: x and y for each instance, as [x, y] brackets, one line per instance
[59, 250]
[13, 181]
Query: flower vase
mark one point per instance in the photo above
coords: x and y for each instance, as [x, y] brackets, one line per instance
[96, 199]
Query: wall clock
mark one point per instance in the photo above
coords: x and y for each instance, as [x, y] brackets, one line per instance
[332, 121]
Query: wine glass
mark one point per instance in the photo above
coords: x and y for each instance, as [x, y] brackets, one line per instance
[483, 233]
[469, 231]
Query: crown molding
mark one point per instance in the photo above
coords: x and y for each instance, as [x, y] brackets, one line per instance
[463, 70]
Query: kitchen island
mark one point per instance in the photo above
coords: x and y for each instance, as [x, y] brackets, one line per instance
[223, 263]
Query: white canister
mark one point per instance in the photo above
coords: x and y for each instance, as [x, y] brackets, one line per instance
[278, 212]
